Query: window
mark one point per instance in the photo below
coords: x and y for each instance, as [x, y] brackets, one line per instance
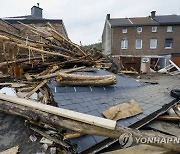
[168, 43]
[169, 29]
[124, 44]
[138, 44]
[139, 30]
[153, 43]
[154, 29]
[124, 30]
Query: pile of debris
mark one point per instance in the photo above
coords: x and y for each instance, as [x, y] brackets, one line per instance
[32, 63]
[28, 65]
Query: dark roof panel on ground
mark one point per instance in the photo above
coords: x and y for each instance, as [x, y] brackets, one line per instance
[95, 100]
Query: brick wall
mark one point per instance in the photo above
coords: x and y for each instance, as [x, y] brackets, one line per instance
[146, 35]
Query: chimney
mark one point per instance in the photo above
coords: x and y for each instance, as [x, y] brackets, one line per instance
[153, 14]
[108, 17]
[36, 11]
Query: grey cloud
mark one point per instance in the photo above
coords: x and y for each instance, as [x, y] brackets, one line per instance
[84, 19]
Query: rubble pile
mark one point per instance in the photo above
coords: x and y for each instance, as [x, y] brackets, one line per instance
[29, 63]
[32, 61]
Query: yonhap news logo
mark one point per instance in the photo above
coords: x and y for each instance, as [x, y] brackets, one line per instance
[127, 139]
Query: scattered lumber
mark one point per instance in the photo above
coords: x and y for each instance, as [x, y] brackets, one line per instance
[59, 122]
[62, 112]
[128, 72]
[124, 110]
[27, 64]
[50, 137]
[169, 117]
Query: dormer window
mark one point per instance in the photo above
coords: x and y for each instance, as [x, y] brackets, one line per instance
[124, 30]
[169, 29]
[139, 30]
[154, 29]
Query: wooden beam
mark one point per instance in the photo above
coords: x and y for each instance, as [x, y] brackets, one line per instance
[13, 150]
[71, 136]
[173, 117]
[57, 73]
[58, 122]
[93, 120]
[35, 89]
[87, 82]
[55, 140]
[43, 51]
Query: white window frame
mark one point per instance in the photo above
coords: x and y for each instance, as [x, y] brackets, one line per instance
[124, 44]
[139, 30]
[154, 29]
[171, 44]
[140, 44]
[169, 29]
[153, 47]
[124, 30]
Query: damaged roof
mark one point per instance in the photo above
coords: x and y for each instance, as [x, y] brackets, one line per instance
[140, 21]
[95, 100]
[29, 19]
[146, 21]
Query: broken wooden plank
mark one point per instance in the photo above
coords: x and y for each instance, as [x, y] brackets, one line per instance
[28, 77]
[128, 72]
[173, 117]
[35, 89]
[124, 110]
[54, 68]
[43, 51]
[13, 84]
[106, 123]
[87, 82]
[13, 150]
[47, 76]
[73, 135]
[55, 140]
[59, 122]
[19, 60]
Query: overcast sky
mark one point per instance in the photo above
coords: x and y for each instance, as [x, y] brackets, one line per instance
[84, 19]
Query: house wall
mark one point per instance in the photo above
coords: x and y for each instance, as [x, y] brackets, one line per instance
[146, 35]
[106, 38]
